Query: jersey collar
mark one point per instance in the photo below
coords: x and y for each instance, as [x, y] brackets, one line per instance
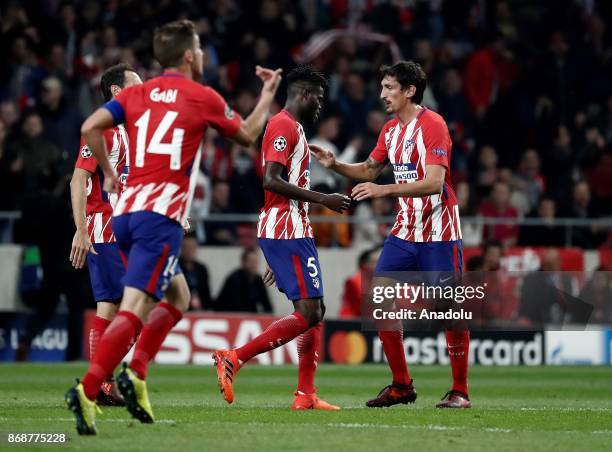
[289, 114]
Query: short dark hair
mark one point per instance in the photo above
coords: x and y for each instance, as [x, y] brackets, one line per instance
[365, 255]
[114, 75]
[306, 74]
[171, 40]
[407, 73]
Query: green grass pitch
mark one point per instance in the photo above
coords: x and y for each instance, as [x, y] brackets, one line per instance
[514, 408]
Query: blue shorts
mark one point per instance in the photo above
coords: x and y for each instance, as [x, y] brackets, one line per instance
[403, 256]
[151, 243]
[106, 270]
[296, 267]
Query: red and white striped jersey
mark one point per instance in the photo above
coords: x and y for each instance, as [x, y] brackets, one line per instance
[100, 205]
[423, 141]
[166, 119]
[284, 142]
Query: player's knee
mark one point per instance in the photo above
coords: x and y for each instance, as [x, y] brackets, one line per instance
[312, 311]
[177, 293]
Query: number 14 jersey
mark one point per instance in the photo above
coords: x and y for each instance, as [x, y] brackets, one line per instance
[166, 119]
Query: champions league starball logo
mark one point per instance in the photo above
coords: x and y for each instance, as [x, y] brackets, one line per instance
[85, 152]
[280, 143]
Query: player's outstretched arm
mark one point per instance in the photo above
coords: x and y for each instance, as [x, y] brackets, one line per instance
[363, 171]
[251, 127]
[81, 244]
[431, 185]
[274, 182]
[92, 130]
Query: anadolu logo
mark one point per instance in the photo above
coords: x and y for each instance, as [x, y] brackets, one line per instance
[347, 347]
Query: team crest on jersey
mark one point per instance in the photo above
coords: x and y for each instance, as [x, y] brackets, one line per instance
[409, 144]
[280, 143]
[86, 152]
[229, 113]
[316, 283]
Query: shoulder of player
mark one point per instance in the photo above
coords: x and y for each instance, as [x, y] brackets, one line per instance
[281, 121]
[431, 119]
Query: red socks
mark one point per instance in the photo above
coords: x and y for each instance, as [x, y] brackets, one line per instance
[111, 349]
[98, 327]
[161, 320]
[277, 334]
[308, 352]
[458, 344]
[393, 345]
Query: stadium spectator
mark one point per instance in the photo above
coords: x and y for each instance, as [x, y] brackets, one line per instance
[354, 102]
[471, 233]
[560, 166]
[597, 292]
[358, 284]
[62, 121]
[327, 131]
[528, 181]
[499, 207]
[8, 114]
[582, 207]
[543, 292]
[489, 73]
[31, 164]
[487, 171]
[546, 234]
[196, 275]
[219, 232]
[245, 180]
[244, 289]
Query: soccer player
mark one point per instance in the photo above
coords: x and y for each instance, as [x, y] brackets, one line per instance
[286, 239]
[92, 209]
[426, 236]
[166, 119]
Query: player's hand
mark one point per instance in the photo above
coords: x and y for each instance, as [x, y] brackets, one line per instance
[81, 245]
[270, 78]
[111, 183]
[268, 277]
[325, 157]
[336, 202]
[368, 190]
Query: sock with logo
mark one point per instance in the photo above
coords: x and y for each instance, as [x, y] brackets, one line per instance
[112, 347]
[458, 344]
[308, 352]
[278, 333]
[98, 327]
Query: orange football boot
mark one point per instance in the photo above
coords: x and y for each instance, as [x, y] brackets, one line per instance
[311, 402]
[228, 365]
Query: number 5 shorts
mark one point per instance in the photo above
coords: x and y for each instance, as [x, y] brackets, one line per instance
[151, 244]
[296, 267]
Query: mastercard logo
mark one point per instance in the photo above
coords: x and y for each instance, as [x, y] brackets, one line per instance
[347, 347]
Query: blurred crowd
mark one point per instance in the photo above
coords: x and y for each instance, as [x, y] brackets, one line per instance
[525, 87]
